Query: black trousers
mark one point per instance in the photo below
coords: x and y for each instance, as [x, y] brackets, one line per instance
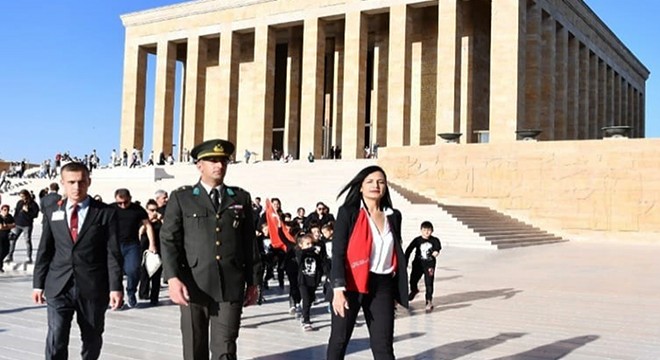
[224, 319]
[292, 274]
[308, 294]
[378, 309]
[4, 248]
[90, 315]
[419, 269]
[149, 287]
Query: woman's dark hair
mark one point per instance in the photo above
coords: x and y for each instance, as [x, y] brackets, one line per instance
[352, 189]
[25, 193]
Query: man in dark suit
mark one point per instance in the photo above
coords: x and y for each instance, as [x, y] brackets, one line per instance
[210, 259]
[51, 198]
[79, 266]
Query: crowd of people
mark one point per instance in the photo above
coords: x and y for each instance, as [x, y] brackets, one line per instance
[355, 260]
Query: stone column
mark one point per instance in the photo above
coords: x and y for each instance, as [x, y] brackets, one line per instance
[561, 83]
[133, 101]
[448, 70]
[293, 84]
[533, 60]
[337, 90]
[624, 102]
[617, 95]
[355, 60]
[586, 84]
[602, 98]
[594, 97]
[609, 89]
[548, 82]
[507, 80]
[261, 134]
[195, 84]
[466, 103]
[311, 107]
[573, 96]
[380, 98]
[642, 114]
[164, 98]
[416, 93]
[398, 85]
[375, 120]
[228, 58]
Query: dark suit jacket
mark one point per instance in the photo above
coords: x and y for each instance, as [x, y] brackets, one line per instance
[49, 201]
[346, 218]
[212, 253]
[94, 261]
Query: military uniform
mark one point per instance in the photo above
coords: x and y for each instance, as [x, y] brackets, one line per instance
[213, 252]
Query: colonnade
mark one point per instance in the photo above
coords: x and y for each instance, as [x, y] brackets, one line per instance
[357, 73]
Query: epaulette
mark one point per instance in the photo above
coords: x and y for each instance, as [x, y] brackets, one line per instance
[232, 190]
[183, 188]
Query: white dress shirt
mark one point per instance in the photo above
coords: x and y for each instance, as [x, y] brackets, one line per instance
[382, 247]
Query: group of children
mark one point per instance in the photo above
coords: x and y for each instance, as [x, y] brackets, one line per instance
[307, 264]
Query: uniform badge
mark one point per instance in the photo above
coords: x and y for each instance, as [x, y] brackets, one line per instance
[236, 223]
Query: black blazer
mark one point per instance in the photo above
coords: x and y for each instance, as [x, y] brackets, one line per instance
[94, 261]
[346, 217]
[213, 253]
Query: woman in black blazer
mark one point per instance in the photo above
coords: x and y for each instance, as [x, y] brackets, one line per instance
[368, 265]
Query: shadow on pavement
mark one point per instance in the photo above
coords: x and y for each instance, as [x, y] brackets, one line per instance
[319, 351]
[20, 309]
[556, 350]
[461, 348]
[477, 295]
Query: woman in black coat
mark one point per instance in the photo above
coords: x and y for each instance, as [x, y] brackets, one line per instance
[368, 265]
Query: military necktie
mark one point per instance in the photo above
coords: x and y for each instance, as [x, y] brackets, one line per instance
[215, 198]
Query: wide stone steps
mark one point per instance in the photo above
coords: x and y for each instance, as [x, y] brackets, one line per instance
[302, 184]
[489, 226]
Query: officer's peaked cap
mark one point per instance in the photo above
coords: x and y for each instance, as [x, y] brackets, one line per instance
[212, 148]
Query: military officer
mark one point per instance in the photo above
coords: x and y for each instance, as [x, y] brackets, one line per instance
[210, 259]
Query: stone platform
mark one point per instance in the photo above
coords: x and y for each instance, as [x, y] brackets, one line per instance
[574, 300]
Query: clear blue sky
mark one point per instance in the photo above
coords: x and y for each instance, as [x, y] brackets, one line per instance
[62, 62]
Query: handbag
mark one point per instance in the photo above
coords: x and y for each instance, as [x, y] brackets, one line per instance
[151, 262]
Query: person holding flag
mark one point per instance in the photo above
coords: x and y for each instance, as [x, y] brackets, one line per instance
[283, 244]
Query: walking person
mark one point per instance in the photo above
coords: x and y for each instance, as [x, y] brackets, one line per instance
[368, 265]
[78, 268]
[50, 199]
[6, 224]
[131, 216]
[426, 248]
[149, 288]
[24, 214]
[210, 257]
[310, 262]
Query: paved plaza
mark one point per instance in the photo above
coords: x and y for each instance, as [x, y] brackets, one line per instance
[574, 300]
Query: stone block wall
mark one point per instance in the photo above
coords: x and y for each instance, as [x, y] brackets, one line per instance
[609, 186]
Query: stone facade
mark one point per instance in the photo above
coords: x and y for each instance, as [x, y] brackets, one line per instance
[609, 186]
[301, 76]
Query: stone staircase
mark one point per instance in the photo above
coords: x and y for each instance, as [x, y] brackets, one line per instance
[302, 184]
[484, 225]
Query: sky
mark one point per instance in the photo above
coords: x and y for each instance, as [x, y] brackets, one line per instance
[61, 71]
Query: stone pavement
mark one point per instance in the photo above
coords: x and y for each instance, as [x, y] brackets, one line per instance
[574, 300]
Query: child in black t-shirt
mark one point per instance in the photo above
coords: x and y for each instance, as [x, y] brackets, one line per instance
[426, 249]
[310, 264]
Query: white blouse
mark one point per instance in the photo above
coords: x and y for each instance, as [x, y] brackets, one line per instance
[382, 248]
